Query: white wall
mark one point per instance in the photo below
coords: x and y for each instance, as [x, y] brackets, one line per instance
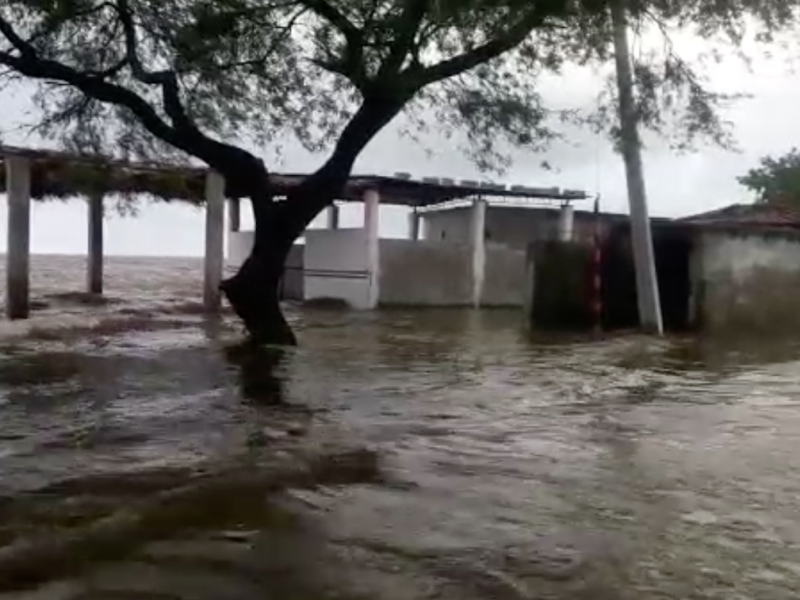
[239, 245]
[747, 280]
[425, 273]
[513, 226]
[336, 266]
[735, 257]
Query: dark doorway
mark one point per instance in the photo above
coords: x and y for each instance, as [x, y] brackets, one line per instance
[673, 247]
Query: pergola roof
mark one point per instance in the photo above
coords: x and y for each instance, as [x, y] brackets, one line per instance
[56, 174]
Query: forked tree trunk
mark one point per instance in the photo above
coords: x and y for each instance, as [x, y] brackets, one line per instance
[253, 291]
[253, 294]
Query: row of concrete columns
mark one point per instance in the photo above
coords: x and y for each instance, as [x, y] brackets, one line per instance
[478, 241]
[17, 301]
[372, 228]
[18, 173]
[18, 191]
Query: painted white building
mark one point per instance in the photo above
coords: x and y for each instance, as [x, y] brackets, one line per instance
[469, 268]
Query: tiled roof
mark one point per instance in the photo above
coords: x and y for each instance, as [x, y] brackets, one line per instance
[757, 215]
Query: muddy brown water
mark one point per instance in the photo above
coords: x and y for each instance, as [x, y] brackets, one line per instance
[395, 455]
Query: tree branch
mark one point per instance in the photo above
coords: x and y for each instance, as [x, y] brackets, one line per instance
[336, 18]
[352, 64]
[281, 37]
[20, 44]
[131, 49]
[480, 54]
[224, 158]
[167, 79]
[50, 25]
[407, 27]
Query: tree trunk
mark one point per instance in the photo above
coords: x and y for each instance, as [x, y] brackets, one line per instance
[253, 294]
[253, 291]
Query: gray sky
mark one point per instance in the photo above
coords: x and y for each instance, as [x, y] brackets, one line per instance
[767, 123]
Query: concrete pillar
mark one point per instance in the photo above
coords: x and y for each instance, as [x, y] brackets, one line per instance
[215, 235]
[644, 259]
[234, 215]
[413, 225]
[372, 230]
[18, 189]
[566, 223]
[333, 216]
[425, 227]
[94, 272]
[478, 244]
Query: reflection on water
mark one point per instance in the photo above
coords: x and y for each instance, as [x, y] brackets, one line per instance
[438, 454]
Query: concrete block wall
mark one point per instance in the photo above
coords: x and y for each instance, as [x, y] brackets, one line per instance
[433, 273]
[560, 293]
[505, 278]
[293, 286]
[747, 281]
[241, 242]
[336, 266]
[425, 273]
[514, 227]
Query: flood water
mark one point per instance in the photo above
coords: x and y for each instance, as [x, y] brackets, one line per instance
[394, 455]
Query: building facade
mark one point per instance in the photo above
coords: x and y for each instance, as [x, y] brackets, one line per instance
[518, 227]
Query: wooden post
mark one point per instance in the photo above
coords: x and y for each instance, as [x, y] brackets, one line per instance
[215, 236]
[94, 282]
[643, 254]
[18, 188]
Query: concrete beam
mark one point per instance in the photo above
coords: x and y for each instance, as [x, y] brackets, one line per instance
[215, 236]
[18, 189]
[94, 271]
[478, 245]
[372, 201]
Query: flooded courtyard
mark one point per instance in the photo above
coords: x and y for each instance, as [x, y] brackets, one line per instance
[394, 455]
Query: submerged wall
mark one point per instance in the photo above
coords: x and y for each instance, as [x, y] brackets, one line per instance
[561, 291]
[292, 286]
[747, 281]
[505, 282]
[425, 273]
[336, 266]
[436, 273]
[240, 243]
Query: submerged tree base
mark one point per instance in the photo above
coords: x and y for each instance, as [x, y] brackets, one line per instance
[253, 294]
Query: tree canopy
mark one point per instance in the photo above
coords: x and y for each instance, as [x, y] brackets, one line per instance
[776, 179]
[149, 77]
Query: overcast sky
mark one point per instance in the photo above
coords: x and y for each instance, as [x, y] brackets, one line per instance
[767, 123]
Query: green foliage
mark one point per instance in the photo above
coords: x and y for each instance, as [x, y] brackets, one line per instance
[776, 179]
[251, 72]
